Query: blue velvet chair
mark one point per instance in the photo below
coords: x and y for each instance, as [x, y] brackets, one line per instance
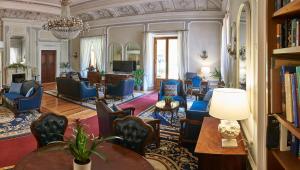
[18, 103]
[121, 90]
[76, 90]
[196, 84]
[181, 96]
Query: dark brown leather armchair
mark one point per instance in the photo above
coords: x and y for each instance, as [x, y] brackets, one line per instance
[106, 116]
[49, 128]
[135, 133]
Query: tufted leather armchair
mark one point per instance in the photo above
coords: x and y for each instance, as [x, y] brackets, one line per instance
[49, 128]
[135, 133]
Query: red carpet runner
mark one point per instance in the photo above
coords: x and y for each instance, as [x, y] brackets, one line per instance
[12, 150]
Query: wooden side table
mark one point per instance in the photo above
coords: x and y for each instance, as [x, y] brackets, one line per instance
[212, 155]
[160, 107]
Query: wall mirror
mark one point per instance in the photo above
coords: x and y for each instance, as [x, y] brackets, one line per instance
[115, 52]
[17, 50]
[243, 45]
[133, 52]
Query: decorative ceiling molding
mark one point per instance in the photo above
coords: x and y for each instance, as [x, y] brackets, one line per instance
[21, 14]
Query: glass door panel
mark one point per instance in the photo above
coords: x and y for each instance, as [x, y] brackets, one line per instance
[173, 71]
[161, 54]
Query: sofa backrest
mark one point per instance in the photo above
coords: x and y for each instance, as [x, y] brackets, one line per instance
[68, 87]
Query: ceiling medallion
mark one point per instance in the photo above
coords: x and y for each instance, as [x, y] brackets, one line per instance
[66, 27]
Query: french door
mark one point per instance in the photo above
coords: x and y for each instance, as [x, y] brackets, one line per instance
[48, 62]
[165, 59]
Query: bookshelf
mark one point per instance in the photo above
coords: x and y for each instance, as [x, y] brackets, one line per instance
[286, 159]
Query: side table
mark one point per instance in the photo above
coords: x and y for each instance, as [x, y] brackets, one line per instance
[212, 155]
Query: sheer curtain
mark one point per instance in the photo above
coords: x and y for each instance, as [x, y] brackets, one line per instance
[148, 60]
[182, 53]
[86, 45]
[226, 64]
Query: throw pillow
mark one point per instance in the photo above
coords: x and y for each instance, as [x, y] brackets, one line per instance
[170, 90]
[15, 88]
[75, 77]
[30, 92]
[208, 95]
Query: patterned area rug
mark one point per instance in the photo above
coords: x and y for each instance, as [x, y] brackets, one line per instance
[11, 126]
[91, 103]
[170, 153]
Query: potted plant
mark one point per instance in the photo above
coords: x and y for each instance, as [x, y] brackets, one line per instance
[138, 78]
[82, 146]
[168, 101]
[217, 75]
[65, 66]
[17, 66]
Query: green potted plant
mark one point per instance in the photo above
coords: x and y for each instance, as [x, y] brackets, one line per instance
[82, 146]
[138, 78]
[168, 101]
[217, 75]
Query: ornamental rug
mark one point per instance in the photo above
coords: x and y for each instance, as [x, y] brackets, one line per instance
[171, 156]
[91, 102]
[13, 126]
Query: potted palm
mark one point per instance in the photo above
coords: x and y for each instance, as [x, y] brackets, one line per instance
[217, 75]
[168, 101]
[82, 146]
[138, 78]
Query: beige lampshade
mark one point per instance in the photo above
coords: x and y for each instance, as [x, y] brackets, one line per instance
[229, 104]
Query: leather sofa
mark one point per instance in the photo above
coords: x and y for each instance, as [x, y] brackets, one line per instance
[76, 90]
[18, 103]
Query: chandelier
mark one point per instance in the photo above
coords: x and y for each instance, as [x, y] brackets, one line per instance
[66, 27]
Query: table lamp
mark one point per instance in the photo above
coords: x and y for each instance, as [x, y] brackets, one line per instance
[229, 105]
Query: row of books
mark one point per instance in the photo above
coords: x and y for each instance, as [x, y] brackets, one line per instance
[288, 33]
[281, 3]
[290, 89]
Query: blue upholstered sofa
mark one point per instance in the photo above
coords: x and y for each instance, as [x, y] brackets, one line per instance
[122, 89]
[77, 90]
[18, 103]
[181, 95]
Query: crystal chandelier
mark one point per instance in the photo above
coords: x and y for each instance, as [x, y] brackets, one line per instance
[66, 27]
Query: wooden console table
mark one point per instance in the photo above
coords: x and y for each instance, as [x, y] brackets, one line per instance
[212, 155]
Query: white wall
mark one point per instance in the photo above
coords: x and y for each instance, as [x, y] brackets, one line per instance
[204, 36]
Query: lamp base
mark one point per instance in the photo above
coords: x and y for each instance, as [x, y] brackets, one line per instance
[229, 143]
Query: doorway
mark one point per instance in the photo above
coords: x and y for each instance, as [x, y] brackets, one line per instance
[165, 59]
[48, 66]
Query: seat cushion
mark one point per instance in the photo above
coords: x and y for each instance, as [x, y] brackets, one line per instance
[12, 96]
[208, 95]
[170, 90]
[199, 106]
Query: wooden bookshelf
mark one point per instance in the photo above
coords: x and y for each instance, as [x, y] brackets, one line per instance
[286, 159]
[290, 126]
[290, 50]
[290, 10]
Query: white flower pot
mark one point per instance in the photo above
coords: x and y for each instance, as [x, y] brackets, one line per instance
[77, 166]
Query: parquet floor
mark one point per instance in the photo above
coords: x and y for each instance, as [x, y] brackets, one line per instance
[59, 106]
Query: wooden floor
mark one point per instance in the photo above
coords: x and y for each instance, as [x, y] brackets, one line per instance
[62, 107]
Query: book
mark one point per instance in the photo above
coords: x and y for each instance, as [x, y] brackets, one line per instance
[285, 69]
[298, 96]
[294, 99]
[283, 140]
[288, 97]
[278, 4]
[293, 32]
[278, 36]
[294, 145]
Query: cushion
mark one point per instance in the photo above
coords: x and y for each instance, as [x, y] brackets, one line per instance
[26, 86]
[75, 77]
[170, 90]
[208, 95]
[30, 92]
[15, 88]
[199, 105]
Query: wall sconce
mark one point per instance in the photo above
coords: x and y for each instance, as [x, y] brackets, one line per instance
[204, 55]
[75, 55]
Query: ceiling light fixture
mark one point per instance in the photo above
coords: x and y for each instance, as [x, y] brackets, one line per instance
[66, 27]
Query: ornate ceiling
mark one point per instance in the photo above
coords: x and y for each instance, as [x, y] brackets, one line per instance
[102, 9]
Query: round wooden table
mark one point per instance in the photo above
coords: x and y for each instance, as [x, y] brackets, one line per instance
[117, 158]
[160, 106]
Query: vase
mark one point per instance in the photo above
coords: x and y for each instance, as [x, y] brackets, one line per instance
[77, 166]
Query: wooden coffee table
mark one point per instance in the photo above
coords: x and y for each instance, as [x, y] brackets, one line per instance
[160, 106]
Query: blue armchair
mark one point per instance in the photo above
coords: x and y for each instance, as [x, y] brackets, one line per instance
[196, 84]
[121, 90]
[18, 103]
[77, 90]
[181, 96]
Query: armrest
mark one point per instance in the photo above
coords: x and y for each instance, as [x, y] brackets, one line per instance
[131, 109]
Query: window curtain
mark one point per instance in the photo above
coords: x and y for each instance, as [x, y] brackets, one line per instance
[226, 64]
[182, 53]
[86, 45]
[148, 60]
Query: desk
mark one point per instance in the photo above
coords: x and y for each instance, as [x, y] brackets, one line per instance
[210, 152]
[117, 158]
